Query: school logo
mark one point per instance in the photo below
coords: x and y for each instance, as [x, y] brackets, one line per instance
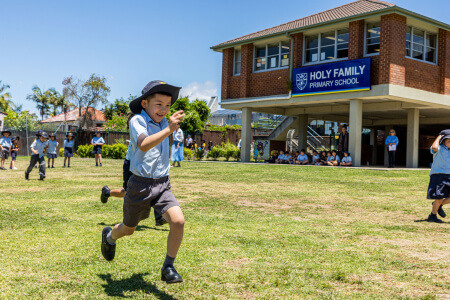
[301, 81]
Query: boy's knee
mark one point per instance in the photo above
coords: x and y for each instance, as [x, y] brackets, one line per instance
[128, 230]
[177, 223]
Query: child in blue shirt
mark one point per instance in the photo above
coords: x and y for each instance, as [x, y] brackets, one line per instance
[149, 186]
[68, 148]
[51, 152]
[439, 186]
[38, 148]
[315, 158]
[281, 158]
[302, 159]
[333, 159]
[287, 158]
[14, 152]
[346, 160]
[5, 147]
[98, 142]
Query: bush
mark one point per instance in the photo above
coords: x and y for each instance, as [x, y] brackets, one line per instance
[116, 151]
[215, 152]
[84, 151]
[229, 150]
[199, 153]
[237, 154]
[61, 152]
[188, 153]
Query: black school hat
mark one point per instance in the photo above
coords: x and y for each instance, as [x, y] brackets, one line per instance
[153, 87]
[70, 134]
[6, 131]
[44, 135]
[95, 133]
[15, 138]
[52, 134]
[39, 132]
[446, 135]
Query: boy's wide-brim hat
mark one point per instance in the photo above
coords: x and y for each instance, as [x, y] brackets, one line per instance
[153, 87]
[44, 135]
[446, 134]
[97, 132]
[39, 132]
[15, 138]
[69, 134]
[52, 134]
[6, 131]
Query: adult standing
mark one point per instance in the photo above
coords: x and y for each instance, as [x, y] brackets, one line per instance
[177, 147]
[343, 140]
[392, 144]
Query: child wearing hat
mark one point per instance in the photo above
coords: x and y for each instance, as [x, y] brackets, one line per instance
[439, 186]
[346, 160]
[5, 147]
[38, 148]
[68, 148]
[149, 185]
[51, 153]
[14, 152]
[98, 142]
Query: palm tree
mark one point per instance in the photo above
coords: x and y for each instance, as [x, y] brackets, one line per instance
[5, 102]
[42, 100]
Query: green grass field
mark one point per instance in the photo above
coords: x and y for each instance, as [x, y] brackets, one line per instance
[253, 231]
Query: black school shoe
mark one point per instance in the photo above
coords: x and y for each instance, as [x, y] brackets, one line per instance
[105, 194]
[434, 218]
[441, 212]
[170, 275]
[160, 222]
[108, 250]
[42, 178]
[27, 176]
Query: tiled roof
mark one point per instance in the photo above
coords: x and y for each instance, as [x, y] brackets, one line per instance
[343, 11]
[74, 115]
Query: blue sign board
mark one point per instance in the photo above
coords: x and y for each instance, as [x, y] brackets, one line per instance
[344, 76]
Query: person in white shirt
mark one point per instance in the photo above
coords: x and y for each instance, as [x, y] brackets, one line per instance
[177, 147]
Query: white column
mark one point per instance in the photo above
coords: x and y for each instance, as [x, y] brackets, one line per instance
[387, 128]
[246, 134]
[374, 143]
[355, 131]
[301, 128]
[412, 138]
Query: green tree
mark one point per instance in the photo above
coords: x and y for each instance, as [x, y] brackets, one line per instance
[5, 97]
[197, 113]
[120, 107]
[42, 99]
[18, 121]
[86, 94]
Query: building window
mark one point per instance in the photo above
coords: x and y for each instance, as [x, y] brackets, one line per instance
[373, 38]
[421, 44]
[237, 62]
[271, 56]
[326, 46]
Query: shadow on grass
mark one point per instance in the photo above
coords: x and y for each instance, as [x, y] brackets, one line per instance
[138, 228]
[133, 284]
[426, 220]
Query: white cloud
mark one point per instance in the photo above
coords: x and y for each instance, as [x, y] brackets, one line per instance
[20, 82]
[201, 91]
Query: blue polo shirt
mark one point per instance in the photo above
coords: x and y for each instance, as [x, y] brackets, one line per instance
[155, 162]
[282, 157]
[346, 159]
[97, 140]
[391, 139]
[68, 144]
[302, 157]
[130, 151]
[39, 146]
[315, 157]
[52, 146]
[5, 142]
[441, 160]
[334, 158]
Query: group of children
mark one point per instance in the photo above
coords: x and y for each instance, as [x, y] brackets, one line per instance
[8, 146]
[330, 158]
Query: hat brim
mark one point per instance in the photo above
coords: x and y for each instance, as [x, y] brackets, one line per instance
[444, 138]
[135, 105]
[6, 131]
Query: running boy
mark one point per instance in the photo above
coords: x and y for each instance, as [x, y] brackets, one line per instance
[5, 147]
[14, 152]
[439, 186]
[149, 186]
[38, 147]
[98, 142]
[51, 153]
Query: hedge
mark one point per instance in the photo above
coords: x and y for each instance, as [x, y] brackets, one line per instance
[116, 151]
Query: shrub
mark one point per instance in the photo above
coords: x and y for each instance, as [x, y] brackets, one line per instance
[61, 152]
[85, 151]
[188, 153]
[237, 154]
[215, 152]
[116, 151]
[228, 150]
[199, 153]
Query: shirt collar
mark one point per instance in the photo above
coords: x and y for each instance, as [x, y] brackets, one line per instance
[148, 119]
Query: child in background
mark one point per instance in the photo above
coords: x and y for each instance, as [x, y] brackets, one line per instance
[273, 157]
[281, 157]
[51, 152]
[255, 153]
[294, 158]
[38, 148]
[68, 149]
[98, 142]
[14, 152]
[315, 158]
[5, 147]
[323, 158]
[334, 159]
[346, 160]
[439, 186]
[302, 159]
[287, 158]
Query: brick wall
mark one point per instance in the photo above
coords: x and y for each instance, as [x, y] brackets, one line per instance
[389, 67]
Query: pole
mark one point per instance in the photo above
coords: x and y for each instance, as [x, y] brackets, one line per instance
[26, 128]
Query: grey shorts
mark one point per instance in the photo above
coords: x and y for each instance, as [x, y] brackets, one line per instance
[143, 194]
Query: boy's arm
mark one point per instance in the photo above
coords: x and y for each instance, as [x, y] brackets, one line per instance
[435, 146]
[146, 143]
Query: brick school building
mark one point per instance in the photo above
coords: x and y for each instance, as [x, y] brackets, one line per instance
[369, 63]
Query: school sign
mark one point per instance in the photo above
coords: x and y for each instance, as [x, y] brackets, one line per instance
[345, 76]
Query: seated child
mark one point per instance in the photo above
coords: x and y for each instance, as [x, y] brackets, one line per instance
[346, 160]
[288, 158]
[323, 158]
[302, 159]
[273, 157]
[334, 159]
[280, 158]
[315, 158]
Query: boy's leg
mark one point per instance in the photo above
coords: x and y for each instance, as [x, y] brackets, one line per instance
[121, 230]
[175, 217]
[119, 193]
[33, 160]
[100, 158]
[3, 162]
[42, 167]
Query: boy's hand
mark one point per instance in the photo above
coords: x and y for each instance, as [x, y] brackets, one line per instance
[175, 120]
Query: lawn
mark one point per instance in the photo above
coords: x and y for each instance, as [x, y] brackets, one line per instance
[252, 231]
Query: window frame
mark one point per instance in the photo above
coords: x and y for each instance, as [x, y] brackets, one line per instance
[426, 32]
[234, 62]
[267, 56]
[319, 46]
[365, 40]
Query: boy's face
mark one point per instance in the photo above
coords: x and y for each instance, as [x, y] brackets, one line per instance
[281, 152]
[97, 135]
[302, 153]
[333, 153]
[157, 107]
[6, 134]
[328, 154]
[447, 143]
[345, 154]
[43, 139]
[52, 138]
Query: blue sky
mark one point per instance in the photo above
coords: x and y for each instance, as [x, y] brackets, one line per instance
[133, 42]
